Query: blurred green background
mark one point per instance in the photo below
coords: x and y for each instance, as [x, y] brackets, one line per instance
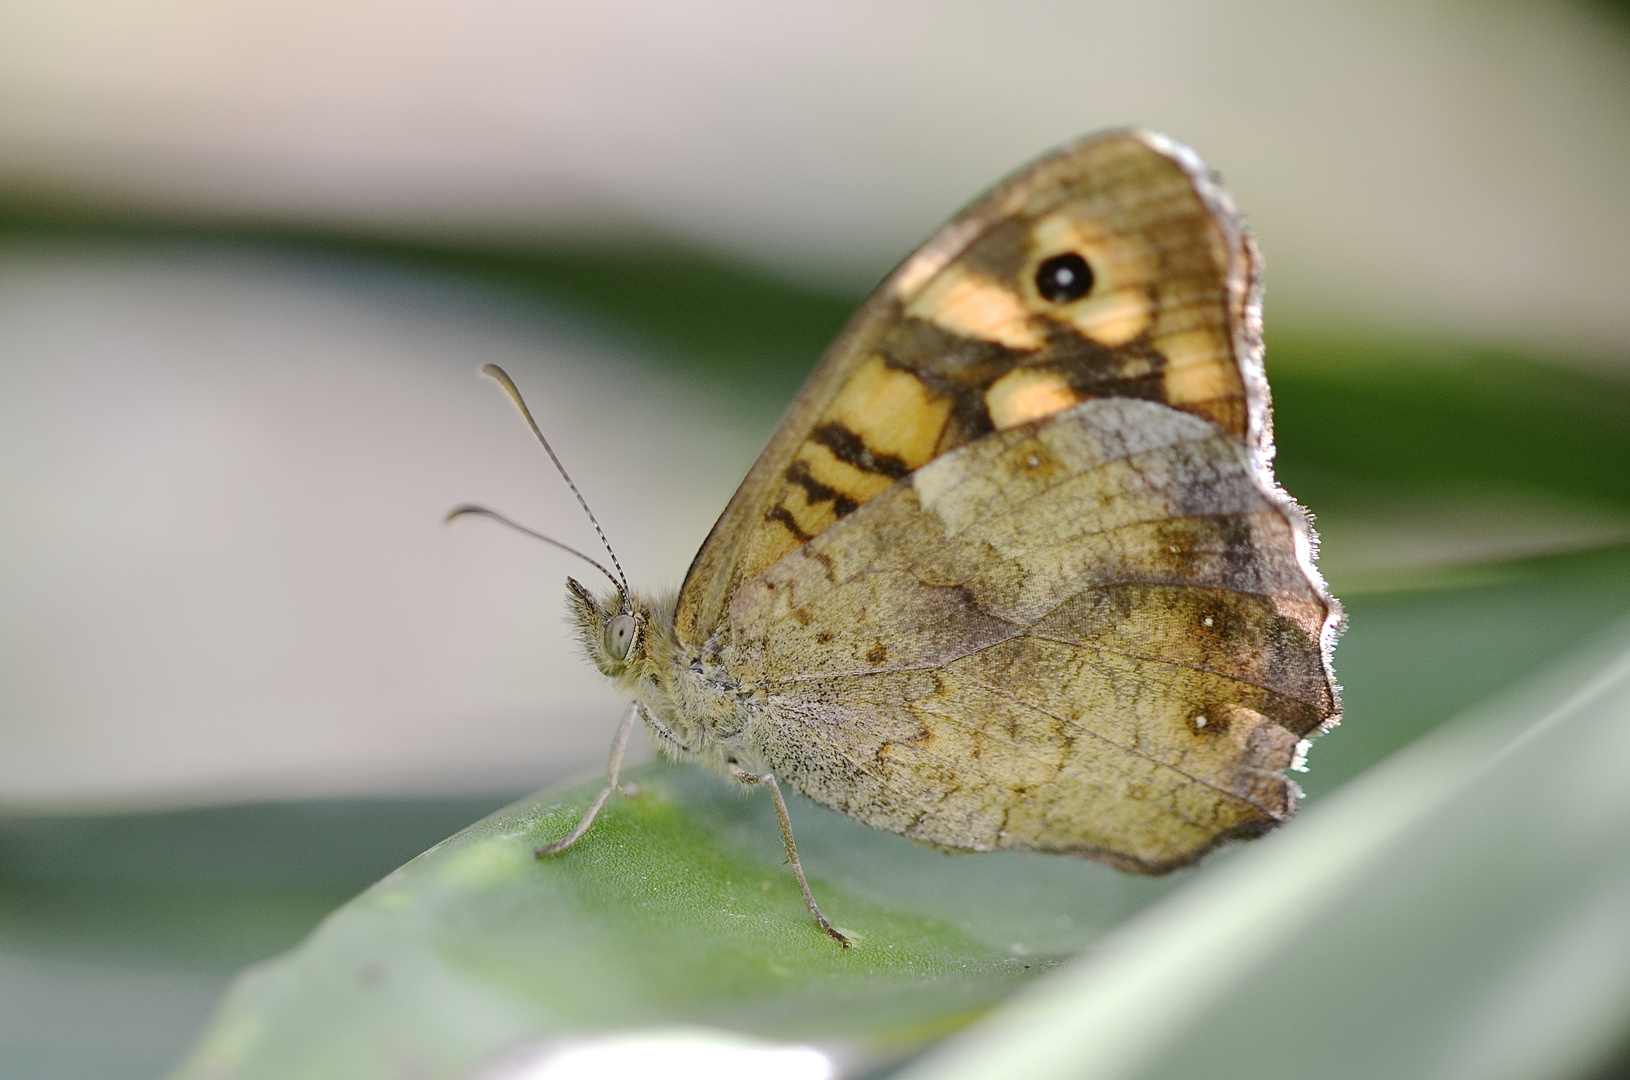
[250, 260]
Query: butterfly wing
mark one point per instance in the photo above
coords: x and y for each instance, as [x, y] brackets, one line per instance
[1093, 633]
[978, 331]
[1013, 571]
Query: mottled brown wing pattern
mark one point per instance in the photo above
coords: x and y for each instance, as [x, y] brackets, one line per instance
[982, 330]
[1093, 633]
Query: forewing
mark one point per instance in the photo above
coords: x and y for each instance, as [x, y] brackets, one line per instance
[1097, 633]
[970, 336]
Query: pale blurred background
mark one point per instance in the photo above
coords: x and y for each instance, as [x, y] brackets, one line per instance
[222, 571]
[251, 256]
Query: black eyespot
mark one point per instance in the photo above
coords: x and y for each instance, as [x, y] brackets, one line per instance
[1064, 278]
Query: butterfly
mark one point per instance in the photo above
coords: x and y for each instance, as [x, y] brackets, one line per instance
[1013, 571]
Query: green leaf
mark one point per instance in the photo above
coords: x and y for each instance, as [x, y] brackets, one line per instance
[675, 907]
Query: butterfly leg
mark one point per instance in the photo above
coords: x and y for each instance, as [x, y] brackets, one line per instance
[768, 780]
[619, 745]
[631, 790]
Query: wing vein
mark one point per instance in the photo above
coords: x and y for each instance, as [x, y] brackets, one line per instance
[1130, 655]
[999, 692]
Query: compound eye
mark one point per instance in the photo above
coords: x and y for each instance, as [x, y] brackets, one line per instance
[620, 636]
[1064, 278]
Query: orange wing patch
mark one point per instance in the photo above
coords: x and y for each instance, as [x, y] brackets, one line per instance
[1199, 366]
[1026, 394]
[892, 411]
[883, 424]
[976, 306]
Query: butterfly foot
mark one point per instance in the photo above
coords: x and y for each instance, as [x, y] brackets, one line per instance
[769, 781]
[832, 932]
[618, 746]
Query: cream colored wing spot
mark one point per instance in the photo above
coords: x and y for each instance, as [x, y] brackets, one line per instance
[973, 305]
[892, 412]
[1114, 318]
[825, 470]
[1201, 382]
[1026, 394]
[884, 423]
[821, 489]
[1120, 306]
[1199, 366]
[1185, 348]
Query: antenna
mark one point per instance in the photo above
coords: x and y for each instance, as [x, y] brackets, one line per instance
[470, 509]
[501, 377]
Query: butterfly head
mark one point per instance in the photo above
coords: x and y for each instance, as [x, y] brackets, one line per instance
[613, 630]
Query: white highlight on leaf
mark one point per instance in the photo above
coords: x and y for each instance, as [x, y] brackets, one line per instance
[672, 1053]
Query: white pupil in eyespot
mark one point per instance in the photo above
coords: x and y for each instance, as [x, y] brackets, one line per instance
[620, 636]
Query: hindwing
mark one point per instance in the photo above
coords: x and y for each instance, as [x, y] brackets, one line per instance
[1093, 634]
